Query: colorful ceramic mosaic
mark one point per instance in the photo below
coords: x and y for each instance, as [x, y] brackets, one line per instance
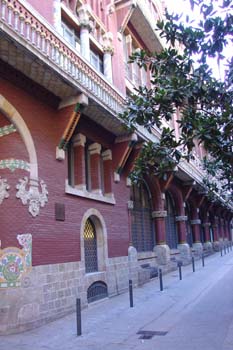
[13, 164]
[15, 262]
[8, 129]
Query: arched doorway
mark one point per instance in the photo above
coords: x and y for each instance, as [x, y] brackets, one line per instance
[93, 236]
[141, 216]
[171, 232]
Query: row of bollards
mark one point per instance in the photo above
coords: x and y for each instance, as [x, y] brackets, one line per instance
[226, 248]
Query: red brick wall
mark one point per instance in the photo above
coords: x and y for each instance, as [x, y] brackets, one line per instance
[53, 241]
[45, 8]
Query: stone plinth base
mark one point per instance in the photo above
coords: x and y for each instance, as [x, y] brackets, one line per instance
[217, 246]
[163, 254]
[133, 264]
[208, 247]
[185, 253]
[197, 249]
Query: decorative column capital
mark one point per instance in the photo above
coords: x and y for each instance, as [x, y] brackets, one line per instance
[108, 43]
[159, 214]
[107, 155]
[79, 140]
[83, 13]
[181, 218]
[94, 148]
[195, 222]
[206, 224]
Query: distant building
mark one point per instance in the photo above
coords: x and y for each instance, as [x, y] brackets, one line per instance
[72, 225]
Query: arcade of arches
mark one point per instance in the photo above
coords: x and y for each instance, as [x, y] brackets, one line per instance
[176, 216]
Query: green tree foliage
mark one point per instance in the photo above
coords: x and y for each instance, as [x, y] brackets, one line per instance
[181, 78]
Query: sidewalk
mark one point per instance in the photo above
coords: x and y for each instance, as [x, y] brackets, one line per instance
[112, 324]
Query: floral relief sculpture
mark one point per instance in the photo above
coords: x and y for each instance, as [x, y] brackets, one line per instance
[28, 192]
[4, 187]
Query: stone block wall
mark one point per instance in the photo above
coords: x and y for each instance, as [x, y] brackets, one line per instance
[49, 292]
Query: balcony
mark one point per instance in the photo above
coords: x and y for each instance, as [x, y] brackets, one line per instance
[31, 45]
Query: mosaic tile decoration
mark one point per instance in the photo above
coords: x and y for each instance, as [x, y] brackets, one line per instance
[13, 164]
[15, 262]
[8, 129]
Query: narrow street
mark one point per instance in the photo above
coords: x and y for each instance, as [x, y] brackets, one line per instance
[195, 313]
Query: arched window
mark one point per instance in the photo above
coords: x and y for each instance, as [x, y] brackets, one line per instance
[171, 233]
[90, 247]
[142, 225]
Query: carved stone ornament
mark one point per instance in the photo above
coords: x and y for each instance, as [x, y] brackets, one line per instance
[159, 214]
[181, 218]
[195, 222]
[4, 187]
[28, 192]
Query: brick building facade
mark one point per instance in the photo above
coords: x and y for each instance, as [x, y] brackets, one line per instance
[72, 224]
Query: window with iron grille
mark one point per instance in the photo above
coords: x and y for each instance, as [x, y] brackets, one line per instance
[98, 290]
[90, 247]
[171, 232]
[142, 225]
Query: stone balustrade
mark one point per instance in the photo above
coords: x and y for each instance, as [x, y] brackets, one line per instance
[41, 36]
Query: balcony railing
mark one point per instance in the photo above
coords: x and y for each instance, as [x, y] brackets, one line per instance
[36, 34]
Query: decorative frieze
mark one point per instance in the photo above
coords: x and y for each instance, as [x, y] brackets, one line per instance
[181, 218]
[4, 187]
[28, 192]
[159, 214]
[13, 164]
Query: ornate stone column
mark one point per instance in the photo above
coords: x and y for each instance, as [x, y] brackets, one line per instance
[161, 248]
[108, 52]
[196, 222]
[94, 151]
[79, 161]
[183, 246]
[207, 244]
[86, 27]
[215, 227]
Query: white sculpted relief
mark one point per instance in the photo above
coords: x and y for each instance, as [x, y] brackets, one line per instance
[28, 192]
[4, 187]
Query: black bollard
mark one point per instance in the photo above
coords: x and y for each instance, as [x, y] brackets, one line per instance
[225, 249]
[180, 272]
[161, 280]
[193, 264]
[203, 260]
[221, 250]
[130, 293]
[78, 316]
